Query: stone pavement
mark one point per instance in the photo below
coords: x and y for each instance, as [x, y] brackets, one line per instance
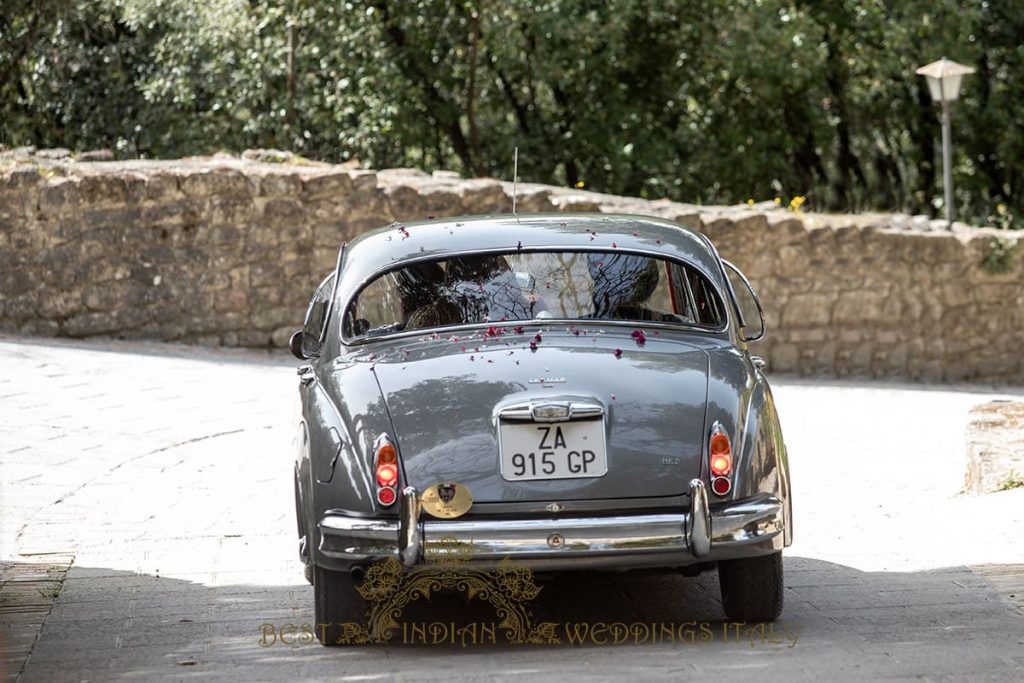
[147, 532]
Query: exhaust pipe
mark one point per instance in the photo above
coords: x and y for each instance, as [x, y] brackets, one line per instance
[358, 574]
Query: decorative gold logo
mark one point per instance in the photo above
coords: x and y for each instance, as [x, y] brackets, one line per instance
[446, 500]
[509, 589]
[389, 588]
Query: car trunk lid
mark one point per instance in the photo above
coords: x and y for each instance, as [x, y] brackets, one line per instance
[455, 403]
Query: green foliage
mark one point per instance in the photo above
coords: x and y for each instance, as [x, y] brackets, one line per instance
[1012, 481]
[999, 258]
[695, 100]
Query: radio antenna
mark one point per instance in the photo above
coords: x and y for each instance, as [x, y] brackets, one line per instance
[515, 180]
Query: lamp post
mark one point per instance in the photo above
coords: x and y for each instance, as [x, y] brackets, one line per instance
[943, 79]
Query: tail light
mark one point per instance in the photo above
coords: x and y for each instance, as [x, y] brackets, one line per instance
[385, 466]
[720, 456]
[721, 485]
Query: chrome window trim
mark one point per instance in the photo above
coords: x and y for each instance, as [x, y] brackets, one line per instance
[725, 276]
[334, 292]
[757, 299]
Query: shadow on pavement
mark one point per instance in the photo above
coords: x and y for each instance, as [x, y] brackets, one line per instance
[838, 621]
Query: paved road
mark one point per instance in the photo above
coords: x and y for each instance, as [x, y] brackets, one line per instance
[146, 532]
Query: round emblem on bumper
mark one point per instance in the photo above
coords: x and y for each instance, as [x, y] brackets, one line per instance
[556, 540]
[446, 500]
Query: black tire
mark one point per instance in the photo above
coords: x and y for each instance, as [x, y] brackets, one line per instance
[335, 603]
[300, 525]
[752, 587]
[304, 539]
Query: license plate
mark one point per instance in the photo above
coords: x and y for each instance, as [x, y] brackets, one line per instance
[560, 450]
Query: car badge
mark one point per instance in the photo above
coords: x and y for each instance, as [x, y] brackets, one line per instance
[447, 492]
[446, 500]
[551, 411]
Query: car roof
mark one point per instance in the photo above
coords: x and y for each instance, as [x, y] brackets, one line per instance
[382, 248]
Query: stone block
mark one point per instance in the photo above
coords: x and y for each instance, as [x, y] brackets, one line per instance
[20, 308]
[363, 181]
[98, 188]
[230, 209]
[40, 328]
[162, 187]
[276, 184]
[853, 308]
[254, 338]
[113, 219]
[483, 196]
[281, 336]
[532, 198]
[784, 358]
[17, 281]
[272, 318]
[21, 179]
[114, 295]
[334, 184]
[807, 310]
[236, 300]
[104, 322]
[59, 303]
[573, 202]
[283, 212]
[218, 181]
[59, 197]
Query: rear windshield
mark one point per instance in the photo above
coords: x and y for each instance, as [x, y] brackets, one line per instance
[521, 286]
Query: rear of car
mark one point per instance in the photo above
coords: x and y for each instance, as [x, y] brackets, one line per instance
[561, 403]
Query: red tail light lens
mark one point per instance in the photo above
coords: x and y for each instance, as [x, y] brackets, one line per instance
[721, 485]
[386, 453]
[720, 444]
[385, 459]
[387, 474]
[721, 452]
[720, 465]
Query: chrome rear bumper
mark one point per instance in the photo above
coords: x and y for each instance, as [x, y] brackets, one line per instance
[698, 534]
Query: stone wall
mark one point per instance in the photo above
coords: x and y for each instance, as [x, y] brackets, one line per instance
[227, 251]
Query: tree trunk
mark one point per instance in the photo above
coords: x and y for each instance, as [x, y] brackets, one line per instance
[474, 137]
[849, 168]
[444, 113]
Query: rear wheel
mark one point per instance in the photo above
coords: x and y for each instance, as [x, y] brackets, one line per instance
[752, 587]
[335, 603]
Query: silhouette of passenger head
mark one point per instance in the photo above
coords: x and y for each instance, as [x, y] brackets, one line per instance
[621, 280]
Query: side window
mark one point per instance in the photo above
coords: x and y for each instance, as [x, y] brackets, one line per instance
[316, 314]
[704, 299]
[692, 297]
[749, 304]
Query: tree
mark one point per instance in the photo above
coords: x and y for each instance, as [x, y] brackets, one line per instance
[695, 100]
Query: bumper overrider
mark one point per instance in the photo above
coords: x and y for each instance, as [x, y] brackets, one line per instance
[754, 526]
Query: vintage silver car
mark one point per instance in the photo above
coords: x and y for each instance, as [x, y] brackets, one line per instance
[569, 391]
